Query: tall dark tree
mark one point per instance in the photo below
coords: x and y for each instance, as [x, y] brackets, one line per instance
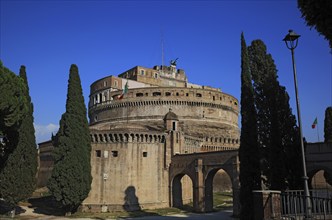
[318, 14]
[248, 151]
[18, 174]
[13, 108]
[27, 144]
[276, 124]
[290, 141]
[328, 125]
[71, 178]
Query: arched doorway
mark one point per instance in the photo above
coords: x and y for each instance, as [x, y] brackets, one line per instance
[319, 180]
[182, 191]
[217, 183]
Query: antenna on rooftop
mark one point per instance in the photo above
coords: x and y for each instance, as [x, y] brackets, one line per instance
[162, 49]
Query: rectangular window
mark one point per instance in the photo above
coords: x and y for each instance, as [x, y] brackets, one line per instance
[98, 153]
[115, 153]
[174, 125]
[145, 154]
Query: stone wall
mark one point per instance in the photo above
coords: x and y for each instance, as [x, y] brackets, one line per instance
[128, 173]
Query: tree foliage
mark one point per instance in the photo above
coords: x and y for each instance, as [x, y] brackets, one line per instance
[13, 108]
[277, 131]
[19, 167]
[269, 149]
[328, 125]
[71, 177]
[13, 105]
[318, 14]
[248, 151]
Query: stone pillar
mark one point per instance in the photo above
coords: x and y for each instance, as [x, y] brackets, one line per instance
[199, 187]
[267, 204]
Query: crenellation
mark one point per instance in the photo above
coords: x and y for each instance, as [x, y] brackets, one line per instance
[161, 116]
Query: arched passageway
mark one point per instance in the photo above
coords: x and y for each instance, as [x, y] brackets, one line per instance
[320, 179]
[201, 168]
[182, 191]
[215, 181]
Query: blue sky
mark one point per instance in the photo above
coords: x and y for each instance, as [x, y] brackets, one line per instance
[108, 37]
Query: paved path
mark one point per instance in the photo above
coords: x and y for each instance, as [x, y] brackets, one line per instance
[222, 215]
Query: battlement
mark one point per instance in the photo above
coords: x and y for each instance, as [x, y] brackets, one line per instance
[124, 137]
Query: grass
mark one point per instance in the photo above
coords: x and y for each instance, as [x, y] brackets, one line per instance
[222, 200]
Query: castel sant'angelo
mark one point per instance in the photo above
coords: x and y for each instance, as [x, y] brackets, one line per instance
[141, 119]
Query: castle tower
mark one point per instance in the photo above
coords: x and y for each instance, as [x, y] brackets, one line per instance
[173, 142]
[134, 138]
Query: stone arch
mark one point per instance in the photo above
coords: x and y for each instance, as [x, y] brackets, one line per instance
[101, 138]
[312, 171]
[105, 138]
[110, 137]
[209, 187]
[126, 137]
[116, 138]
[121, 137]
[96, 138]
[177, 197]
[132, 137]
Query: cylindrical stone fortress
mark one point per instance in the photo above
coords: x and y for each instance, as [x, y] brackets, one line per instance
[134, 136]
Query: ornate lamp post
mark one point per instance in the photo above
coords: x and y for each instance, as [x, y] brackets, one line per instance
[291, 40]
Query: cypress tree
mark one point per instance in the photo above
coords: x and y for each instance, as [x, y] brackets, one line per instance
[276, 125]
[248, 151]
[328, 125]
[28, 143]
[18, 175]
[13, 108]
[13, 105]
[71, 178]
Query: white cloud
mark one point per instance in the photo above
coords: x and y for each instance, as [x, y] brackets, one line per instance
[44, 132]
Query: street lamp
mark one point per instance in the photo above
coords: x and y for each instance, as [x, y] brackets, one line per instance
[291, 41]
